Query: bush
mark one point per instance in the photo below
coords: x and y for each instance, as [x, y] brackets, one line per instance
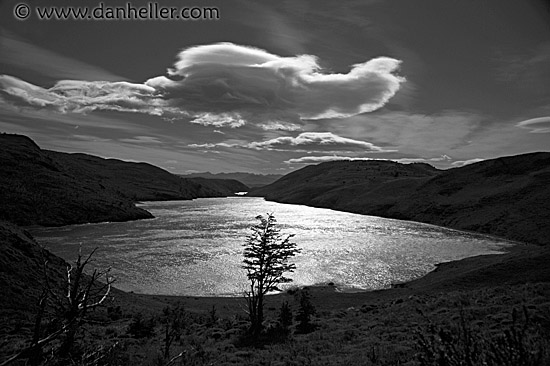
[520, 344]
[140, 327]
[305, 311]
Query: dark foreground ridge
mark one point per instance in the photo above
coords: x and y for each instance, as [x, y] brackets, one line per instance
[54, 188]
[507, 197]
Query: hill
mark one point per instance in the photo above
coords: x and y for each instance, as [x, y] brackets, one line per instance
[248, 179]
[53, 188]
[356, 186]
[508, 196]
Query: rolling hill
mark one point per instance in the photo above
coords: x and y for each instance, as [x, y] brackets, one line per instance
[508, 196]
[53, 188]
[248, 179]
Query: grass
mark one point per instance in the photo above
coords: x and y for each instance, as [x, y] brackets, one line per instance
[487, 326]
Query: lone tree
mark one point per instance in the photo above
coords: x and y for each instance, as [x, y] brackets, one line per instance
[266, 260]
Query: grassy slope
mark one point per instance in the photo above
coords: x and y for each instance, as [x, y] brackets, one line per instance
[52, 188]
[338, 184]
[507, 196]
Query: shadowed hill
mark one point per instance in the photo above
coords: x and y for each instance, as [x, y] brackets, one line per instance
[249, 179]
[22, 269]
[53, 188]
[342, 184]
[508, 197]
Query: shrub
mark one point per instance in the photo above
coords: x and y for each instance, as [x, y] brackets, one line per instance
[521, 343]
[140, 327]
[305, 311]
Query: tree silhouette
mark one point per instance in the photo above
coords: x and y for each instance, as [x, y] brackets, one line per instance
[266, 260]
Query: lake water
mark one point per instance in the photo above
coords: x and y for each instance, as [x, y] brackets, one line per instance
[195, 247]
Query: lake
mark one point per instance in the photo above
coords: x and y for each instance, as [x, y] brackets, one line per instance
[195, 247]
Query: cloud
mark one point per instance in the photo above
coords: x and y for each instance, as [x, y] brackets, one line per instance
[86, 96]
[39, 118]
[142, 140]
[223, 84]
[536, 125]
[230, 77]
[414, 133]
[322, 159]
[279, 126]
[212, 146]
[17, 52]
[232, 120]
[527, 71]
[318, 141]
[460, 163]
[310, 142]
[90, 138]
[423, 160]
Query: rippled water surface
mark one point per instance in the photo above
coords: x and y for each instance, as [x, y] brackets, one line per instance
[195, 247]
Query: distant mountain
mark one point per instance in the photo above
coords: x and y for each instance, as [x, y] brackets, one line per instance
[508, 197]
[53, 188]
[249, 179]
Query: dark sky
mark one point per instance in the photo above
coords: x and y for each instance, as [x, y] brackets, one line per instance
[271, 86]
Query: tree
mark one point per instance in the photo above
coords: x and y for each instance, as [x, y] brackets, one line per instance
[305, 311]
[174, 320]
[83, 293]
[266, 261]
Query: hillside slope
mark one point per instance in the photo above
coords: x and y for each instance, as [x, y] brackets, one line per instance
[508, 196]
[22, 269]
[357, 186]
[53, 188]
[248, 179]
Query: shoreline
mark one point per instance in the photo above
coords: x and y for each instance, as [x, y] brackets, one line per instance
[460, 275]
[346, 298]
[446, 276]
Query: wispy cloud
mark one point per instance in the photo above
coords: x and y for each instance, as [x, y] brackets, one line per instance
[17, 52]
[536, 125]
[232, 120]
[279, 126]
[142, 140]
[322, 159]
[305, 142]
[527, 71]
[414, 133]
[85, 96]
[222, 84]
[460, 163]
[423, 160]
[316, 141]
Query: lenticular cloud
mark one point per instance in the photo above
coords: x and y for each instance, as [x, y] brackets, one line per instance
[227, 79]
[235, 77]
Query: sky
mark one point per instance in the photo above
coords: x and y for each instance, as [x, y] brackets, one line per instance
[271, 86]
